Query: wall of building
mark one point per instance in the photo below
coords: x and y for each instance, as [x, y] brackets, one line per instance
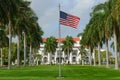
[74, 57]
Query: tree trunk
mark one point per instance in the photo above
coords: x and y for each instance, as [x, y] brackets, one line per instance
[18, 51]
[107, 55]
[94, 57]
[115, 46]
[24, 49]
[99, 55]
[30, 55]
[49, 54]
[10, 41]
[1, 58]
[33, 57]
[68, 56]
[90, 59]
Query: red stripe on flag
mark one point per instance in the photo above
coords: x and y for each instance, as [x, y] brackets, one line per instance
[70, 20]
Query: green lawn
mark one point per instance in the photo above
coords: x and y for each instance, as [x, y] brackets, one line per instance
[69, 72]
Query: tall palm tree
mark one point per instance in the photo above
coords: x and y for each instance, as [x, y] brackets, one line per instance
[50, 46]
[112, 21]
[93, 34]
[30, 20]
[9, 10]
[115, 23]
[21, 24]
[26, 30]
[83, 53]
[67, 46]
[34, 37]
[105, 19]
[100, 29]
[82, 50]
[107, 30]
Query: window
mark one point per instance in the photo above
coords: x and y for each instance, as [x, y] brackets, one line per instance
[53, 58]
[59, 59]
[45, 59]
[73, 59]
[74, 52]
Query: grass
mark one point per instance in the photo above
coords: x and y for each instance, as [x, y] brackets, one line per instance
[69, 72]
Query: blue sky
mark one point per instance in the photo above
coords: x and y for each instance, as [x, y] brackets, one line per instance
[48, 14]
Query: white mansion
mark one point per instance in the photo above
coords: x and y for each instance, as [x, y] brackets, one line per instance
[74, 56]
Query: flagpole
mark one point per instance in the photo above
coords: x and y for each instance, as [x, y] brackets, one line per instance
[59, 46]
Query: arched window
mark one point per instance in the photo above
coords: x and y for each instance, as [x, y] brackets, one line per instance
[45, 59]
[73, 59]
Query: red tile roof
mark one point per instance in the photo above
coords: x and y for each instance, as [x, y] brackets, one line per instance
[61, 39]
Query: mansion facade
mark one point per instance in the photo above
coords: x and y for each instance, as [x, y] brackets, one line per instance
[74, 56]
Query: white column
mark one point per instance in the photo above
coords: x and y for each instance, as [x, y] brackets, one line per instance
[48, 58]
[42, 60]
[55, 56]
[78, 56]
[63, 55]
[70, 58]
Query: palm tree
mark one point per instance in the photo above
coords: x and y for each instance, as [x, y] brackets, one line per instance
[83, 53]
[33, 37]
[8, 10]
[85, 44]
[30, 19]
[100, 29]
[50, 46]
[82, 50]
[26, 30]
[115, 23]
[67, 46]
[107, 30]
[38, 39]
[21, 24]
[112, 21]
[93, 34]
[105, 19]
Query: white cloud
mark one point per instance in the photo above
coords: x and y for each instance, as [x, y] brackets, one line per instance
[48, 13]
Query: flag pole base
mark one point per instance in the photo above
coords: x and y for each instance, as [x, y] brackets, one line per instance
[60, 77]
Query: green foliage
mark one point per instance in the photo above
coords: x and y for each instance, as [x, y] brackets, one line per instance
[3, 39]
[83, 52]
[68, 44]
[19, 18]
[38, 56]
[104, 18]
[103, 56]
[50, 45]
[5, 55]
[14, 53]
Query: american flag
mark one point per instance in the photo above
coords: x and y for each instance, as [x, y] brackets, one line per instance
[69, 20]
